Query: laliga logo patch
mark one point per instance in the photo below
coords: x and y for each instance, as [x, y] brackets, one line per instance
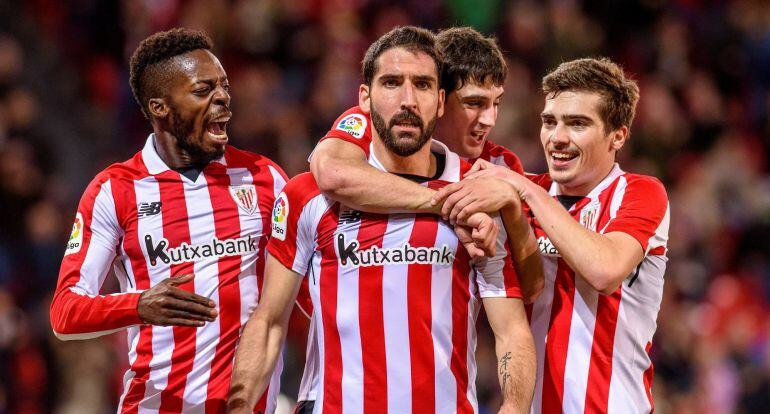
[354, 125]
[280, 212]
[76, 237]
[245, 196]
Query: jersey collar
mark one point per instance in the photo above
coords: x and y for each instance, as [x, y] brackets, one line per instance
[451, 171]
[154, 163]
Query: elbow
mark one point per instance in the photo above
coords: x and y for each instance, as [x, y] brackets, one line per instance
[605, 281]
[533, 292]
[330, 177]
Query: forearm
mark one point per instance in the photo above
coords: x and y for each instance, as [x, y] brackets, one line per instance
[75, 316]
[592, 255]
[516, 370]
[255, 360]
[368, 189]
[525, 254]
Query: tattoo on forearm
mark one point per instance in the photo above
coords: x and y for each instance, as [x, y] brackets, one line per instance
[503, 370]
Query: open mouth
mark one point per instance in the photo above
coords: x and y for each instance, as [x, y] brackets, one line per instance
[562, 158]
[217, 128]
[478, 136]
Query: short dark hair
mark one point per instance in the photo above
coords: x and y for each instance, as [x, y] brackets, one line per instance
[412, 38]
[469, 56]
[603, 76]
[148, 61]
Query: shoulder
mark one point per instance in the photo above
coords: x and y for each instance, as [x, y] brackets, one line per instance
[500, 155]
[543, 180]
[301, 189]
[238, 158]
[645, 187]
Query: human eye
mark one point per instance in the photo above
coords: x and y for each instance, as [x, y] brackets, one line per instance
[424, 85]
[202, 91]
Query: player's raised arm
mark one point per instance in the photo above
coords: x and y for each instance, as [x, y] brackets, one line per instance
[343, 174]
[260, 344]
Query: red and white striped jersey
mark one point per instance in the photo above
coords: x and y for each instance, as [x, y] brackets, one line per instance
[395, 299]
[592, 349]
[152, 223]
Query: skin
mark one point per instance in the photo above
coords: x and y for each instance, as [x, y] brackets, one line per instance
[405, 81]
[470, 115]
[196, 96]
[571, 125]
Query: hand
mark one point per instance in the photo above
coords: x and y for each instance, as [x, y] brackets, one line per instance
[470, 196]
[479, 237]
[485, 169]
[165, 304]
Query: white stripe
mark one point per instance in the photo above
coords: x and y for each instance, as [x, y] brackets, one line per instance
[395, 318]
[315, 293]
[617, 200]
[278, 181]
[581, 338]
[201, 227]
[307, 225]
[540, 319]
[470, 359]
[350, 334]
[147, 190]
[441, 325]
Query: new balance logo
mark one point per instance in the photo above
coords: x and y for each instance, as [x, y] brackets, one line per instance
[190, 252]
[349, 254]
[148, 209]
[349, 217]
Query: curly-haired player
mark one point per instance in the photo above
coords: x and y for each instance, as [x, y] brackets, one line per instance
[183, 222]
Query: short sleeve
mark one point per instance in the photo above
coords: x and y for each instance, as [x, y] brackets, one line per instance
[640, 209]
[292, 240]
[496, 276]
[353, 126]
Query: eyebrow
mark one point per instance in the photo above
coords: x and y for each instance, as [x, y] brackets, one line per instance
[479, 96]
[211, 80]
[567, 117]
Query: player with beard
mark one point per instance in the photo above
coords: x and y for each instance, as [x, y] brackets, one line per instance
[395, 295]
[184, 224]
[473, 75]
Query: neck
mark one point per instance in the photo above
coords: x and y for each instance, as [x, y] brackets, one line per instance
[583, 189]
[167, 146]
[421, 163]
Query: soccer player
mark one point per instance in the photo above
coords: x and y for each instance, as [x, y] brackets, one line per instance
[395, 295]
[473, 75]
[185, 224]
[603, 232]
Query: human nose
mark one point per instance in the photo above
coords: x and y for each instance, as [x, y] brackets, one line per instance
[559, 134]
[222, 96]
[408, 98]
[488, 116]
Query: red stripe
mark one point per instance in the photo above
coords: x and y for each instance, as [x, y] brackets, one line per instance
[176, 230]
[558, 339]
[124, 193]
[658, 251]
[261, 407]
[460, 298]
[371, 324]
[600, 370]
[647, 379]
[332, 381]
[420, 318]
[227, 226]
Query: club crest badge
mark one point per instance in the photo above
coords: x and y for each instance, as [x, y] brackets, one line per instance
[589, 215]
[353, 124]
[245, 196]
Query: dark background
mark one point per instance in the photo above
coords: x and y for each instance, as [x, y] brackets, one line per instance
[702, 126]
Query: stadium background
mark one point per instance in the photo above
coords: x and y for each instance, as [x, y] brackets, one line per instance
[702, 126]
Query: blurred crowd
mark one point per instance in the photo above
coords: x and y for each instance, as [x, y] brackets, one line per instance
[702, 126]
